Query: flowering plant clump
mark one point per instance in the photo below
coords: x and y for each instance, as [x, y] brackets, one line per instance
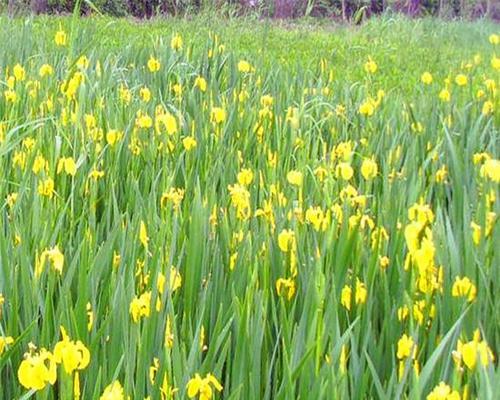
[185, 214]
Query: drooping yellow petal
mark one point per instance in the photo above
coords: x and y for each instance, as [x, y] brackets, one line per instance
[143, 235]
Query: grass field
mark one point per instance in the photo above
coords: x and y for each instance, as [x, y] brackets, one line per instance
[240, 209]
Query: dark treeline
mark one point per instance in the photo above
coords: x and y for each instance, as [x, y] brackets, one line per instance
[346, 10]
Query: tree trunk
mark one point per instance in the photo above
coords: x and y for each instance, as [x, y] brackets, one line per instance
[414, 7]
[11, 8]
[348, 9]
[284, 8]
[376, 6]
[39, 6]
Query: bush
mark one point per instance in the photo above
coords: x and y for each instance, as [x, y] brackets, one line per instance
[346, 9]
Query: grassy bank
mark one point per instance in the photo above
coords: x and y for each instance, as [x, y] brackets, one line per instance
[237, 209]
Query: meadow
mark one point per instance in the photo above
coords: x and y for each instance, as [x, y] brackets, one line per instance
[243, 209]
